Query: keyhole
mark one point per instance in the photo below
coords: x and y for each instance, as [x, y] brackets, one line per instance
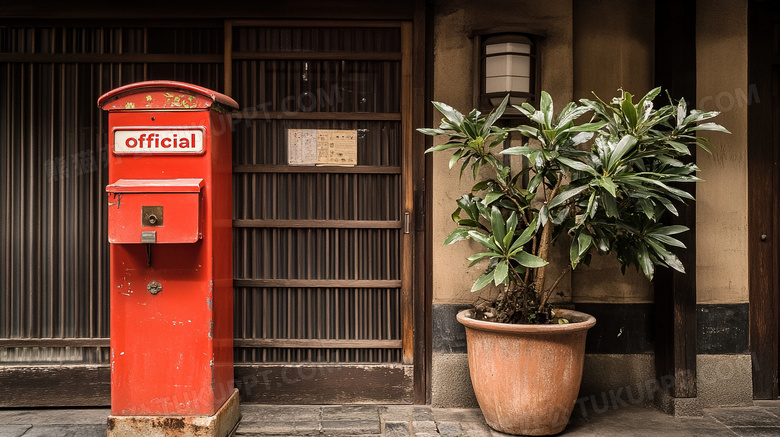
[154, 287]
[152, 219]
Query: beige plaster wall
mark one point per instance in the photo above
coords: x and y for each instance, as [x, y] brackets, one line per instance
[613, 49]
[721, 214]
[454, 21]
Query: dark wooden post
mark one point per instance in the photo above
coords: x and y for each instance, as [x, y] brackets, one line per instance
[763, 198]
[675, 293]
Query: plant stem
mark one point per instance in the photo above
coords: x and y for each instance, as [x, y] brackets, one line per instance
[544, 242]
[549, 292]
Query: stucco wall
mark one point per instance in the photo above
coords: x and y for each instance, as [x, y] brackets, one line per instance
[722, 85]
[454, 21]
[613, 49]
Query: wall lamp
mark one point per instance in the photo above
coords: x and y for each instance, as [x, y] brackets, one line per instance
[506, 62]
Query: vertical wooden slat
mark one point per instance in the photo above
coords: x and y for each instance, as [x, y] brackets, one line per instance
[408, 196]
[228, 53]
[6, 113]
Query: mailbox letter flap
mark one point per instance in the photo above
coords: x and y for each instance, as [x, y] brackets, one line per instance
[166, 208]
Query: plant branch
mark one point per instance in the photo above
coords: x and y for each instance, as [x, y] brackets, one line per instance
[549, 292]
[544, 242]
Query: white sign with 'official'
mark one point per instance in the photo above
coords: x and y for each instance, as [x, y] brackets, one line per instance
[158, 140]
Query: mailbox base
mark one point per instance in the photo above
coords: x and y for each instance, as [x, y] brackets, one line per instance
[222, 424]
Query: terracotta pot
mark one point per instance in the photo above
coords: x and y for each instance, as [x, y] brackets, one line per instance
[526, 377]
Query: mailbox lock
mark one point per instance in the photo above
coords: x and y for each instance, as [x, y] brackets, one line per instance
[154, 287]
[151, 216]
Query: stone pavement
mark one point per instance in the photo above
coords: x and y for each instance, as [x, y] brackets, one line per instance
[763, 419]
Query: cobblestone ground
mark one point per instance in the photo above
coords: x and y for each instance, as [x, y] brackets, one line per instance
[763, 419]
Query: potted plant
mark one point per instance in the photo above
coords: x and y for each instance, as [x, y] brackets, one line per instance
[601, 185]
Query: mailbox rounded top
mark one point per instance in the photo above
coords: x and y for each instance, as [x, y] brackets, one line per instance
[164, 95]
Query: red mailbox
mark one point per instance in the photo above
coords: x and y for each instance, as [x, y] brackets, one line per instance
[170, 229]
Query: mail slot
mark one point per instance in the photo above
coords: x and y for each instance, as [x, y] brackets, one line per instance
[169, 202]
[154, 211]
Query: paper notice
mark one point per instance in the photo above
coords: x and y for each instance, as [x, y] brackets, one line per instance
[322, 147]
[302, 146]
[336, 147]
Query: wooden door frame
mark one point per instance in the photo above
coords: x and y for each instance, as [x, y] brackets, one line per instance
[415, 251]
[763, 237]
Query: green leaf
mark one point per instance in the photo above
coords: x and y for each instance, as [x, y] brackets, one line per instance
[587, 127]
[574, 252]
[477, 257]
[526, 259]
[498, 225]
[629, 110]
[584, 242]
[563, 196]
[467, 204]
[571, 112]
[671, 190]
[546, 107]
[669, 258]
[652, 94]
[511, 225]
[668, 205]
[482, 281]
[544, 213]
[697, 116]
[665, 239]
[444, 146]
[671, 230]
[679, 147]
[608, 184]
[647, 208]
[455, 157]
[610, 205]
[432, 132]
[645, 262]
[491, 197]
[562, 215]
[527, 131]
[577, 165]
[458, 234]
[483, 240]
[623, 146]
[465, 164]
[494, 116]
[590, 211]
[524, 238]
[712, 126]
[451, 114]
[682, 109]
[500, 272]
[582, 137]
[519, 150]
[533, 184]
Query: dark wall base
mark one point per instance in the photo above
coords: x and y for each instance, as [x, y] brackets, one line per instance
[622, 328]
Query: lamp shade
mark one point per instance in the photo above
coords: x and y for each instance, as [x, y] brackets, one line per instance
[506, 65]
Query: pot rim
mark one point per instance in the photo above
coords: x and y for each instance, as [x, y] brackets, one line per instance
[586, 322]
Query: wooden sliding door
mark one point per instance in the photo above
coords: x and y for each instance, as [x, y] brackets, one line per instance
[322, 256]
